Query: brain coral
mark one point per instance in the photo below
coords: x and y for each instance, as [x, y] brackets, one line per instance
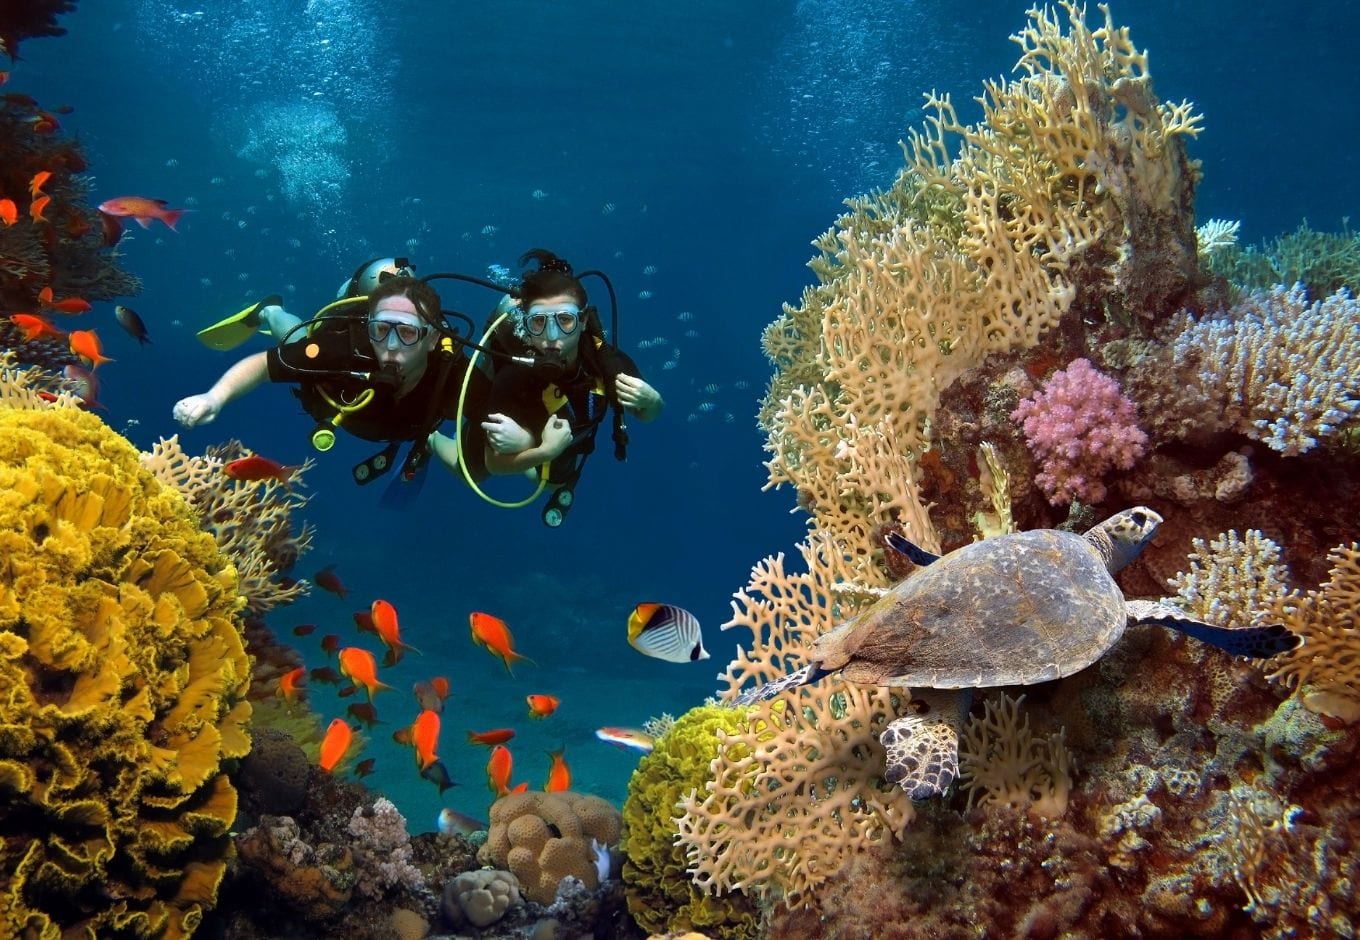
[543, 837]
[121, 677]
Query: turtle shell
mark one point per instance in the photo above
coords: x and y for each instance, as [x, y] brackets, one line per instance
[1012, 610]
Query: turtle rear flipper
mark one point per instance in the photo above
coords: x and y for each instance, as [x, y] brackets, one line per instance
[1256, 642]
[923, 747]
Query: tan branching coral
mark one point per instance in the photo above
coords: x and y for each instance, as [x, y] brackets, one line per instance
[1002, 762]
[1326, 669]
[250, 519]
[801, 792]
[1232, 579]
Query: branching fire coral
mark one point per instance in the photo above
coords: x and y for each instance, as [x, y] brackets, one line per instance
[251, 520]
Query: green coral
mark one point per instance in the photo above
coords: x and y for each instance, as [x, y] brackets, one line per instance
[123, 676]
[1323, 261]
[661, 897]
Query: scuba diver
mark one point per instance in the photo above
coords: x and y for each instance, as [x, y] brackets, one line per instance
[545, 412]
[380, 362]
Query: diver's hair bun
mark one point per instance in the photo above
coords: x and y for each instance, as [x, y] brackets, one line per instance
[546, 261]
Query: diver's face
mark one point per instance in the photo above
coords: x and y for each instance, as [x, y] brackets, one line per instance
[401, 338]
[544, 322]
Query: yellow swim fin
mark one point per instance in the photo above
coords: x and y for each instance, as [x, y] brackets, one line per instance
[240, 326]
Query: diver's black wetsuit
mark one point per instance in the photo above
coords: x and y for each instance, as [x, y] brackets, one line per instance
[522, 392]
[386, 417]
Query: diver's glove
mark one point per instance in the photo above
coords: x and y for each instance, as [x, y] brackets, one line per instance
[197, 409]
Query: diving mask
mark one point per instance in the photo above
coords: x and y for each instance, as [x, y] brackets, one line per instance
[556, 320]
[386, 324]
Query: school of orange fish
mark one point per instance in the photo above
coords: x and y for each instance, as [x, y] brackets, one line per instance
[357, 668]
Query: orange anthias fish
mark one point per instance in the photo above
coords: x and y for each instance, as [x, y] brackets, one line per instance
[492, 633]
[498, 770]
[362, 668]
[9, 212]
[389, 631]
[541, 706]
[290, 684]
[423, 735]
[35, 209]
[255, 468]
[559, 774]
[339, 736]
[85, 344]
[72, 305]
[490, 738]
[39, 180]
[328, 580]
[34, 327]
[142, 209]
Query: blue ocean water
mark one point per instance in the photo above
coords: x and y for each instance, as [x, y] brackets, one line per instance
[692, 151]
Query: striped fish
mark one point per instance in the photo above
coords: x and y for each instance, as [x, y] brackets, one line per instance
[666, 632]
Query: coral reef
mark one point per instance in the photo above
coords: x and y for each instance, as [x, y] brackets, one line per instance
[661, 897]
[382, 850]
[543, 838]
[1324, 262]
[31, 19]
[124, 676]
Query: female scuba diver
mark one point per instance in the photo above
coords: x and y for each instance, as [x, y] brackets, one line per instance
[388, 373]
[548, 411]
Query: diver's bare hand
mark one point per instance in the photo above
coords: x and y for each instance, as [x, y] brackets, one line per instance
[638, 396]
[197, 409]
[505, 435]
[556, 437]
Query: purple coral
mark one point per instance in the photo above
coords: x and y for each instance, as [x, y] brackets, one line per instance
[1079, 426]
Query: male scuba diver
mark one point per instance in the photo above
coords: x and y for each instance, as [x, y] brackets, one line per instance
[381, 362]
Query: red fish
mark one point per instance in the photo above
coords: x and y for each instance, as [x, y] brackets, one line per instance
[325, 674]
[339, 736]
[35, 209]
[9, 212]
[331, 643]
[85, 344]
[541, 706]
[328, 580]
[142, 209]
[492, 633]
[81, 383]
[360, 666]
[34, 327]
[364, 767]
[498, 770]
[559, 774]
[39, 180]
[304, 629]
[255, 468]
[290, 684]
[423, 735]
[71, 305]
[440, 686]
[490, 738]
[389, 631]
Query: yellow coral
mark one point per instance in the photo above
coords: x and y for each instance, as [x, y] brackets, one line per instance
[123, 673]
[541, 838]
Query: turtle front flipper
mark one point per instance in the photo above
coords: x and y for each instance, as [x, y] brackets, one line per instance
[1256, 642]
[804, 676]
[923, 747]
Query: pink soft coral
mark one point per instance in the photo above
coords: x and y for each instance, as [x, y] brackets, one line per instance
[1079, 426]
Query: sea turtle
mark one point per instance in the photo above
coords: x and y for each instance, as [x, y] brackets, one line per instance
[1016, 609]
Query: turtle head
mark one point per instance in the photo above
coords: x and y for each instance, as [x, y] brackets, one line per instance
[1120, 538]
